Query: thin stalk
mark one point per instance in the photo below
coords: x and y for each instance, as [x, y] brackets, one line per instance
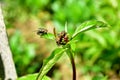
[71, 57]
[73, 68]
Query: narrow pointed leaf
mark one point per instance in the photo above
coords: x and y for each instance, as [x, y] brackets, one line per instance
[88, 25]
[49, 62]
[66, 27]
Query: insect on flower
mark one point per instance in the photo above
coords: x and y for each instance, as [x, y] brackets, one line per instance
[42, 31]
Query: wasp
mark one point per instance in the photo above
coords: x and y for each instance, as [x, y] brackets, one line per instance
[42, 31]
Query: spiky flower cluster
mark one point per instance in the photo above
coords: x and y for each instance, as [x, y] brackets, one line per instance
[62, 38]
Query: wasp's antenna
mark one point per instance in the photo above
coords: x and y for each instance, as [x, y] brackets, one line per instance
[54, 31]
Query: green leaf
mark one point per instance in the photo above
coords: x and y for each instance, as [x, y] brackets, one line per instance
[88, 25]
[50, 61]
[73, 46]
[48, 36]
[32, 77]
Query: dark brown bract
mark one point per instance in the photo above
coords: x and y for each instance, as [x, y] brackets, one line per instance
[62, 38]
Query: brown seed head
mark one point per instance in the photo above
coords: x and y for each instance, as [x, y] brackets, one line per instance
[62, 38]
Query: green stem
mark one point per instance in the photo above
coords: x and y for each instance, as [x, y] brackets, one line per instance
[70, 54]
[73, 68]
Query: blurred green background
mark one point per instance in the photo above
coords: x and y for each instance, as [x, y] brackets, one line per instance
[97, 54]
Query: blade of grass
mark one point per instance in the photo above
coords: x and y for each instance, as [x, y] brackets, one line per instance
[66, 27]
